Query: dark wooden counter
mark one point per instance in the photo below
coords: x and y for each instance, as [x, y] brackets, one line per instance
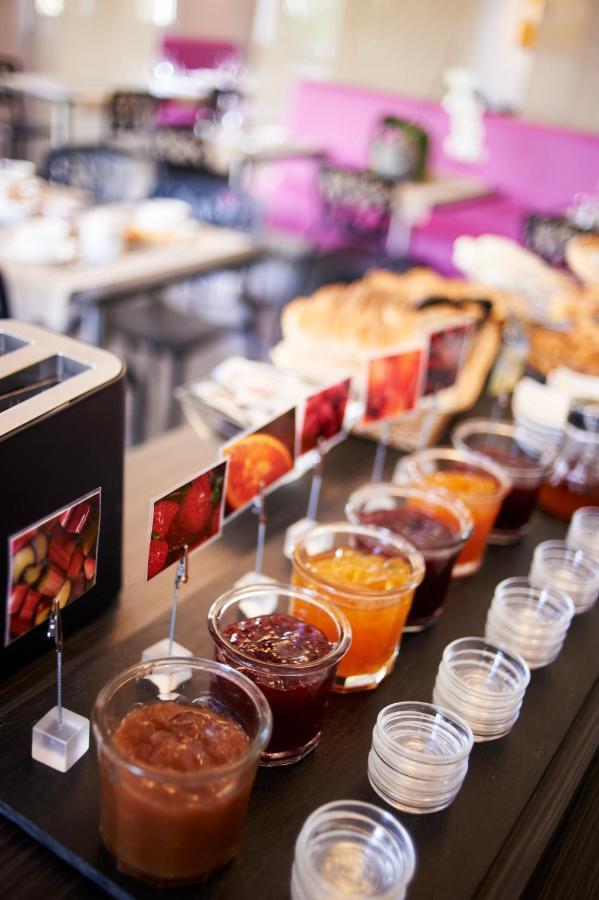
[518, 790]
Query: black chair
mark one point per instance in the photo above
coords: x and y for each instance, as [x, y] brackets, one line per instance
[167, 334]
[109, 174]
[19, 130]
[547, 236]
[4, 307]
[210, 197]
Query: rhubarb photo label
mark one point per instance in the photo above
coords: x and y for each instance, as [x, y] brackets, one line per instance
[53, 559]
[190, 514]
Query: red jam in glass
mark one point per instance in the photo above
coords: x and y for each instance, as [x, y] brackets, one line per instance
[297, 701]
[431, 536]
[518, 505]
[168, 826]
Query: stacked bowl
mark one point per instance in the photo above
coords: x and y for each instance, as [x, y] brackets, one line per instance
[532, 621]
[419, 756]
[483, 684]
[556, 564]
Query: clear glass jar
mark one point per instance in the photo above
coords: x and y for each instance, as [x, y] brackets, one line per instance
[297, 692]
[352, 849]
[474, 479]
[170, 823]
[437, 526]
[573, 479]
[526, 464]
[371, 575]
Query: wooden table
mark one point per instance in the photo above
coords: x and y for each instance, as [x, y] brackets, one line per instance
[489, 843]
[64, 95]
[59, 94]
[46, 293]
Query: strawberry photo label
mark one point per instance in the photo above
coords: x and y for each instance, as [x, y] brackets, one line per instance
[322, 417]
[189, 514]
[52, 560]
[447, 352]
[262, 456]
[393, 384]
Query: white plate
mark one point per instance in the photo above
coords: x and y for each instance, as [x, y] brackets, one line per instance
[50, 254]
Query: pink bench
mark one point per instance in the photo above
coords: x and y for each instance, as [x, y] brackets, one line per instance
[529, 167]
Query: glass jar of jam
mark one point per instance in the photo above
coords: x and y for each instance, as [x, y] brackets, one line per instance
[526, 466]
[474, 479]
[371, 575]
[573, 479]
[176, 774]
[437, 526]
[290, 651]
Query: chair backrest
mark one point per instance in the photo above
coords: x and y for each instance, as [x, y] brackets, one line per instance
[110, 175]
[132, 111]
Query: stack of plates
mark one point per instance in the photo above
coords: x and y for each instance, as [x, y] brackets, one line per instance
[540, 413]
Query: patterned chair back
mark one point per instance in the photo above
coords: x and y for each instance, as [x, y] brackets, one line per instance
[132, 111]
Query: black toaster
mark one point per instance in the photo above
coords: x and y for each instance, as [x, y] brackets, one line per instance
[61, 483]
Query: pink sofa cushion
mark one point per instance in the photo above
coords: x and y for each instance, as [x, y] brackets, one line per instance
[192, 53]
[542, 166]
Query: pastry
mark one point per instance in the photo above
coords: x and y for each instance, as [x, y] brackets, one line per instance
[503, 264]
[380, 311]
[577, 348]
[582, 255]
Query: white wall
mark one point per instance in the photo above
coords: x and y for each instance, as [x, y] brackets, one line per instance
[104, 42]
[564, 81]
[396, 45]
[405, 46]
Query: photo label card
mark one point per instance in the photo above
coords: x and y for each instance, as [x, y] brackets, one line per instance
[265, 454]
[190, 513]
[447, 352]
[393, 384]
[322, 417]
[54, 558]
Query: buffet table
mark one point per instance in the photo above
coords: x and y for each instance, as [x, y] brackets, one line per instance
[487, 844]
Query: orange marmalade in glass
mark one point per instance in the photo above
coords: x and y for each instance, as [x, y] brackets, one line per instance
[482, 494]
[371, 576]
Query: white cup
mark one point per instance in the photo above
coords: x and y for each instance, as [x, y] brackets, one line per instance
[101, 234]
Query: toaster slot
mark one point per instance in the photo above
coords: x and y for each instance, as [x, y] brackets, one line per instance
[8, 343]
[37, 378]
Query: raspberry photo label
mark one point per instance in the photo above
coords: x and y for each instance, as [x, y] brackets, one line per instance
[54, 558]
[189, 514]
[261, 456]
[447, 352]
[393, 384]
[322, 417]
